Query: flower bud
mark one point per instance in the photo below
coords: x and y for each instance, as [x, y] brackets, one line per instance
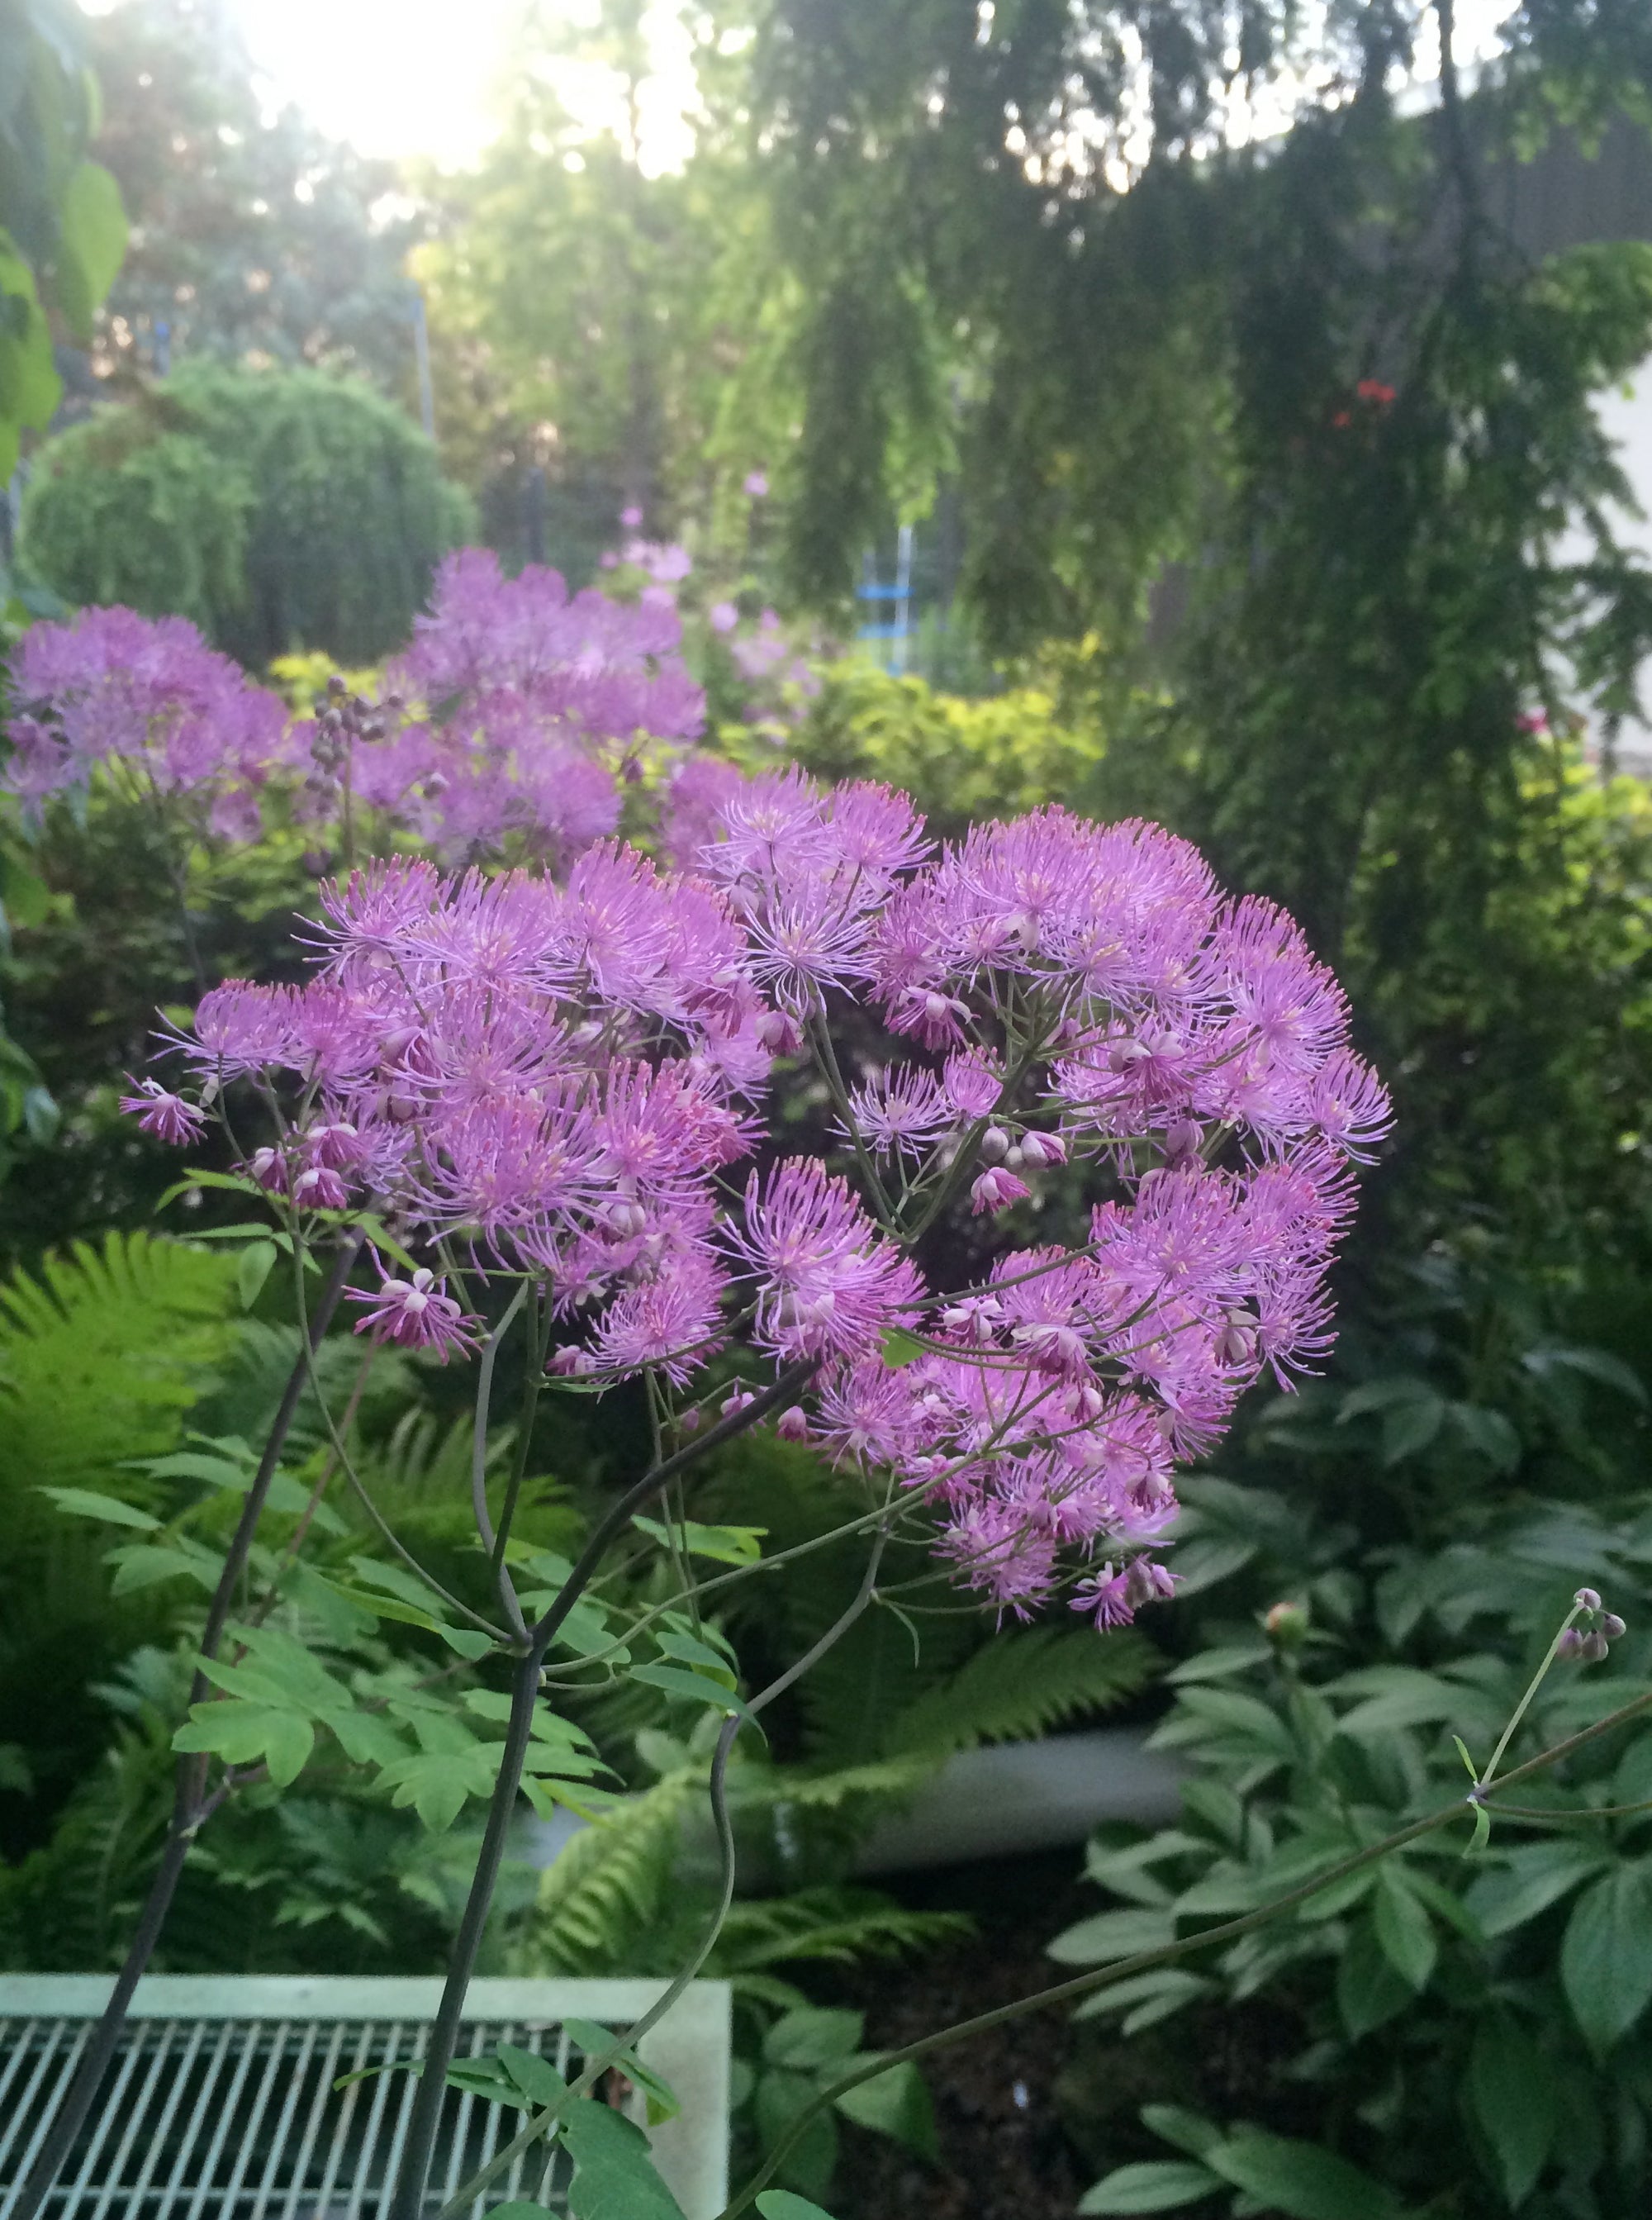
[689, 1422]
[1569, 1643]
[269, 1168]
[996, 1189]
[568, 1362]
[793, 1425]
[1014, 1160]
[1182, 1141]
[995, 1144]
[1124, 1055]
[1287, 1624]
[1146, 1582]
[1612, 1627]
[1593, 1649]
[1587, 1600]
[737, 1401]
[320, 1188]
[1236, 1343]
[1042, 1149]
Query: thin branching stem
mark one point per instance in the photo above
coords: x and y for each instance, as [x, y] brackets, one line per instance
[1170, 1953]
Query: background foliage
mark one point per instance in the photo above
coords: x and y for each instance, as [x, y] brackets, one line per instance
[1285, 511]
[279, 510]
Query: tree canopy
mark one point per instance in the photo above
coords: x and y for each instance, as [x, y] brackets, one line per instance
[255, 239]
[597, 323]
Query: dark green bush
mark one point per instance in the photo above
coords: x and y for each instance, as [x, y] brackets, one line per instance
[276, 509]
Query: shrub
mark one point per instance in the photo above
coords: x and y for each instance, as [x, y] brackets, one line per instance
[279, 511]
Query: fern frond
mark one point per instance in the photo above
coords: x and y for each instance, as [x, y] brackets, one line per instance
[609, 1882]
[253, 1379]
[1021, 1686]
[829, 1925]
[102, 1354]
[827, 1792]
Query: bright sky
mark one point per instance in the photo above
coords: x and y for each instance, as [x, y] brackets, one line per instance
[408, 77]
[402, 78]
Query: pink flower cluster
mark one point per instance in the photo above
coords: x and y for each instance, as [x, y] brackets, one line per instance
[145, 696]
[536, 705]
[558, 1082]
[518, 713]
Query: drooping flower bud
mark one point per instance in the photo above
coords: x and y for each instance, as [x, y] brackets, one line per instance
[1587, 1600]
[269, 1168]
[1593, 1649]
[1044, 1149]
[793, 1425]
[995, 1144]
[1235, 1344]
[1182, 1141]
[320, 1188]
[996, 1189]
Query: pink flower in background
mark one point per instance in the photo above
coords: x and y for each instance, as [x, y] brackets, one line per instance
[632, 518]
[666, 566]
[757, 484]
[511, 717]
[722, 616]
[110, 686]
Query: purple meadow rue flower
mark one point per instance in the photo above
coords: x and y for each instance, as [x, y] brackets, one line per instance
[417, 1312]
[169, 1117]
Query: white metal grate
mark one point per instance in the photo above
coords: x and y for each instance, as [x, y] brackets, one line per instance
[220, 2105]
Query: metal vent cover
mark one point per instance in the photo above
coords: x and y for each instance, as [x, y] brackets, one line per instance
[220, 2104]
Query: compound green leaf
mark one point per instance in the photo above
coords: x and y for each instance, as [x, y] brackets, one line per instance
[614, 2178]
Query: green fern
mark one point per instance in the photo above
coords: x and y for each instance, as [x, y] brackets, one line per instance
[827, 1926]
[1021, 1686]
[609, 1884]
[101, 1355]
[252, 1381]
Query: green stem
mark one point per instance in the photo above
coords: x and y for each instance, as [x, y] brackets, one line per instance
[538, 1341]
[407, 2199]
[1521, 1708]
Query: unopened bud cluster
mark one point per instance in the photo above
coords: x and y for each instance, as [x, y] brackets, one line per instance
[1591, 1636]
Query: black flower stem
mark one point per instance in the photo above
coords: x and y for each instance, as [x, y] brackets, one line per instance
[409, 2200]
[191, 1805]
[467, 2193]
